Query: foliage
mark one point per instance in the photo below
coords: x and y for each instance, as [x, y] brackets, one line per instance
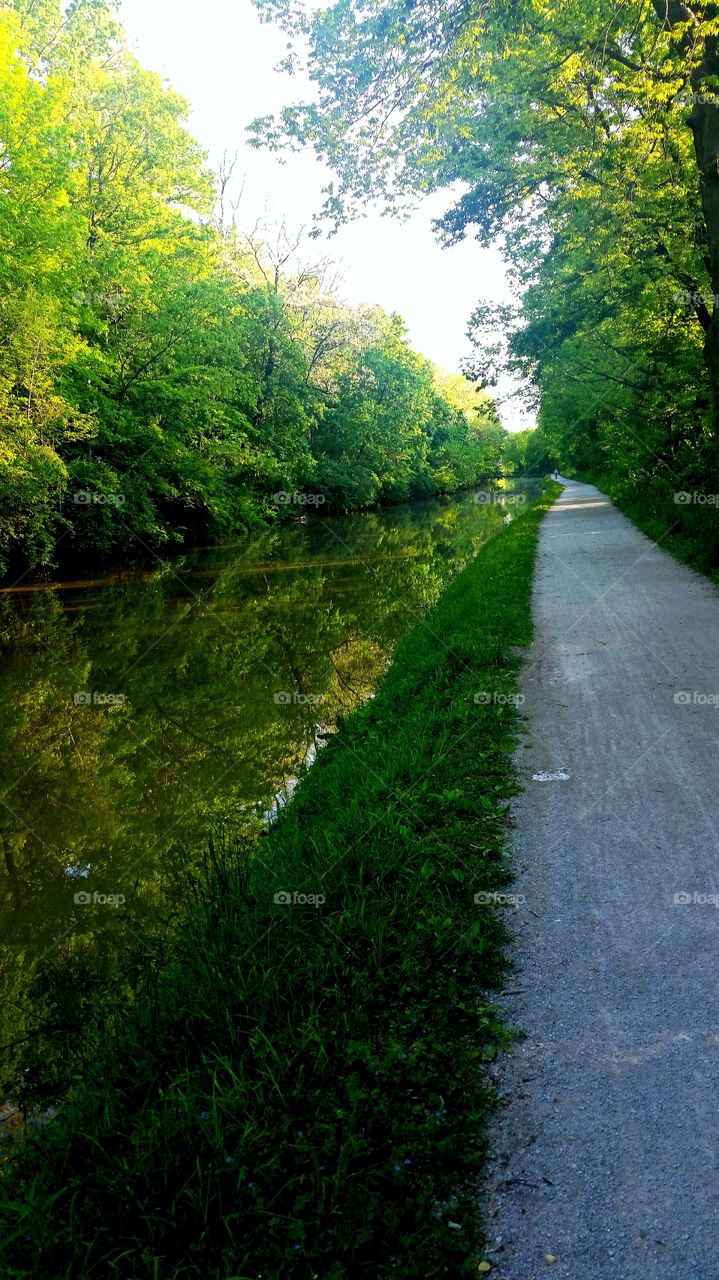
[120, 798]
[300, 1089]
[529, 453]
[585, 138]
[162, 376]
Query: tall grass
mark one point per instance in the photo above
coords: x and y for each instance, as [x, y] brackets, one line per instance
[301, 1090]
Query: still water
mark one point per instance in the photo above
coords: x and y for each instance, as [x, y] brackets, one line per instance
[142, 711]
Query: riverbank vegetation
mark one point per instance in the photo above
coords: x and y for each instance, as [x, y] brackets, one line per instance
[164, 376]
[298, 1088]
[585, 137]
[226, 666]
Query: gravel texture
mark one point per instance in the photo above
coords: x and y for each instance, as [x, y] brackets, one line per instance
[607, 1142]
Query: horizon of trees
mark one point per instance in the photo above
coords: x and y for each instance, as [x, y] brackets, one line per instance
[165, 377]
[583, 139]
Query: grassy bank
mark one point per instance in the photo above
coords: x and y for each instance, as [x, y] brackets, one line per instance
[672, 514]
[300, 1090]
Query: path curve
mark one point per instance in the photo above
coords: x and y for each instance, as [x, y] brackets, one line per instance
[607, 1143]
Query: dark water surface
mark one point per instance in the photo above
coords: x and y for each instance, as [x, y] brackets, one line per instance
[140, 713]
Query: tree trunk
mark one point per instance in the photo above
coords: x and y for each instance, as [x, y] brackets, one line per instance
[704, 123]
[705, 127]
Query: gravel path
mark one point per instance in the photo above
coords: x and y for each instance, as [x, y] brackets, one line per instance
[607, 1145]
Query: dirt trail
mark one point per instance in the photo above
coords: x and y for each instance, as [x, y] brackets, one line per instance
[608, 1145]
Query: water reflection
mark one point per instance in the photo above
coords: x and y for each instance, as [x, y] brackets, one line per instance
[142, 711]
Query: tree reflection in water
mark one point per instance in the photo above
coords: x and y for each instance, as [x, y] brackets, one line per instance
[143, 713]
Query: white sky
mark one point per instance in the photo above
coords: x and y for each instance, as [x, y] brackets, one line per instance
[220, 57]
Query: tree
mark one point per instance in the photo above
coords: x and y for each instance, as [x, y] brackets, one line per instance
[163, 375]
[587, 138]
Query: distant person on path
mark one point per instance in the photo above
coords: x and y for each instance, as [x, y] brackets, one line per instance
[556, 474]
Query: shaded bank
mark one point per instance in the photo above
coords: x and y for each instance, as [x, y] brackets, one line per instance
[140, 714]
[298, 1087]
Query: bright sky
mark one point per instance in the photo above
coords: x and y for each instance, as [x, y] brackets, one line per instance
[220, 57]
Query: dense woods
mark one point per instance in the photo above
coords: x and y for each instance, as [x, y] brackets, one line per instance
[585, 137]
[165, 376]
[254, 858]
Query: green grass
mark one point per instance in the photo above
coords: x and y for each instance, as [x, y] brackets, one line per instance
[301, 1090]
